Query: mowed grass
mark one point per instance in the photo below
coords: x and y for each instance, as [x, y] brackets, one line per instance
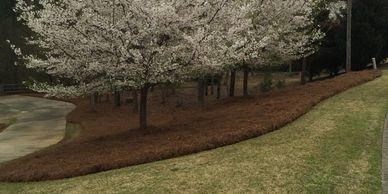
[336, 148]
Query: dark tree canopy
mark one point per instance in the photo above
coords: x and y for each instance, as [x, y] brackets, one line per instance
[13, 30]
[369, 38]
[10, 30]
[370, 27]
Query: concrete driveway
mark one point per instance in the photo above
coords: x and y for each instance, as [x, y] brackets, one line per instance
[36, 123]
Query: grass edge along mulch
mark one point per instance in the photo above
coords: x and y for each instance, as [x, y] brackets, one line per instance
[279, 109]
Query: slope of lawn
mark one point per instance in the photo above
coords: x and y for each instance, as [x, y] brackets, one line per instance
[335, 148]
[106, 141]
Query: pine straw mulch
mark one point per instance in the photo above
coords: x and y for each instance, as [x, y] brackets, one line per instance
[107, 143]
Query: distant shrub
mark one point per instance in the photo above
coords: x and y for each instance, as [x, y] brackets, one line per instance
[281, 84]
[293, 74]
[266, 85]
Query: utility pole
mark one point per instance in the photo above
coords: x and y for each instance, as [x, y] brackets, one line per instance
[349, 37]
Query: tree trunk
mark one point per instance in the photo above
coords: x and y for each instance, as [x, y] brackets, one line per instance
[226, 83]
[290, 70]
[117, 99]
[201, 92]
[206, 85]
[135, 101]
[303, 73]
[93, 101]
[245, 86]
[164, 92]
[218, 89]
[107, 96]
[310, 70]
[173, 89]
[232, 83]
[143, 107]
[349, 37]
[212, 85]
[99, 98]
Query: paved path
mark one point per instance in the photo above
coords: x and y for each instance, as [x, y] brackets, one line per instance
[36, 123]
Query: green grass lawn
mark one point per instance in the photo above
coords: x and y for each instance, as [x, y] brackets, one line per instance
[336, 148]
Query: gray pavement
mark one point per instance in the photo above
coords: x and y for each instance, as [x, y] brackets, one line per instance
[36, 123]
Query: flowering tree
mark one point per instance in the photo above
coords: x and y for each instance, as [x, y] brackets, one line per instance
[103, 45]
[249, 33]
[98, 44]
[326, 15]
[274, 31]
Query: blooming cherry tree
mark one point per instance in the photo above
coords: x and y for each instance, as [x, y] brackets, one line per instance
[103, 45]
[100, 44]
[273, 31]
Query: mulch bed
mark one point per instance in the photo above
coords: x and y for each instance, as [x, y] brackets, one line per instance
[107, 142]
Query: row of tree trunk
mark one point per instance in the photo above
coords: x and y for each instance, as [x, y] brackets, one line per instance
[138, 107]
[203, 86]
[232, 85]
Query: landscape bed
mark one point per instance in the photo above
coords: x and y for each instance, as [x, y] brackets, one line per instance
[107, 143]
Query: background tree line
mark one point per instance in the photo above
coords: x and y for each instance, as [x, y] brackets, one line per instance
[12, 69]
[369, 39]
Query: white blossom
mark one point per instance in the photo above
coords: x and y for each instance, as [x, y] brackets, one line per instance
[101, 45]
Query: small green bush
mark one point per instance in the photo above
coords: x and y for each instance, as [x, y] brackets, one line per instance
[281, 84]
[266, 85]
